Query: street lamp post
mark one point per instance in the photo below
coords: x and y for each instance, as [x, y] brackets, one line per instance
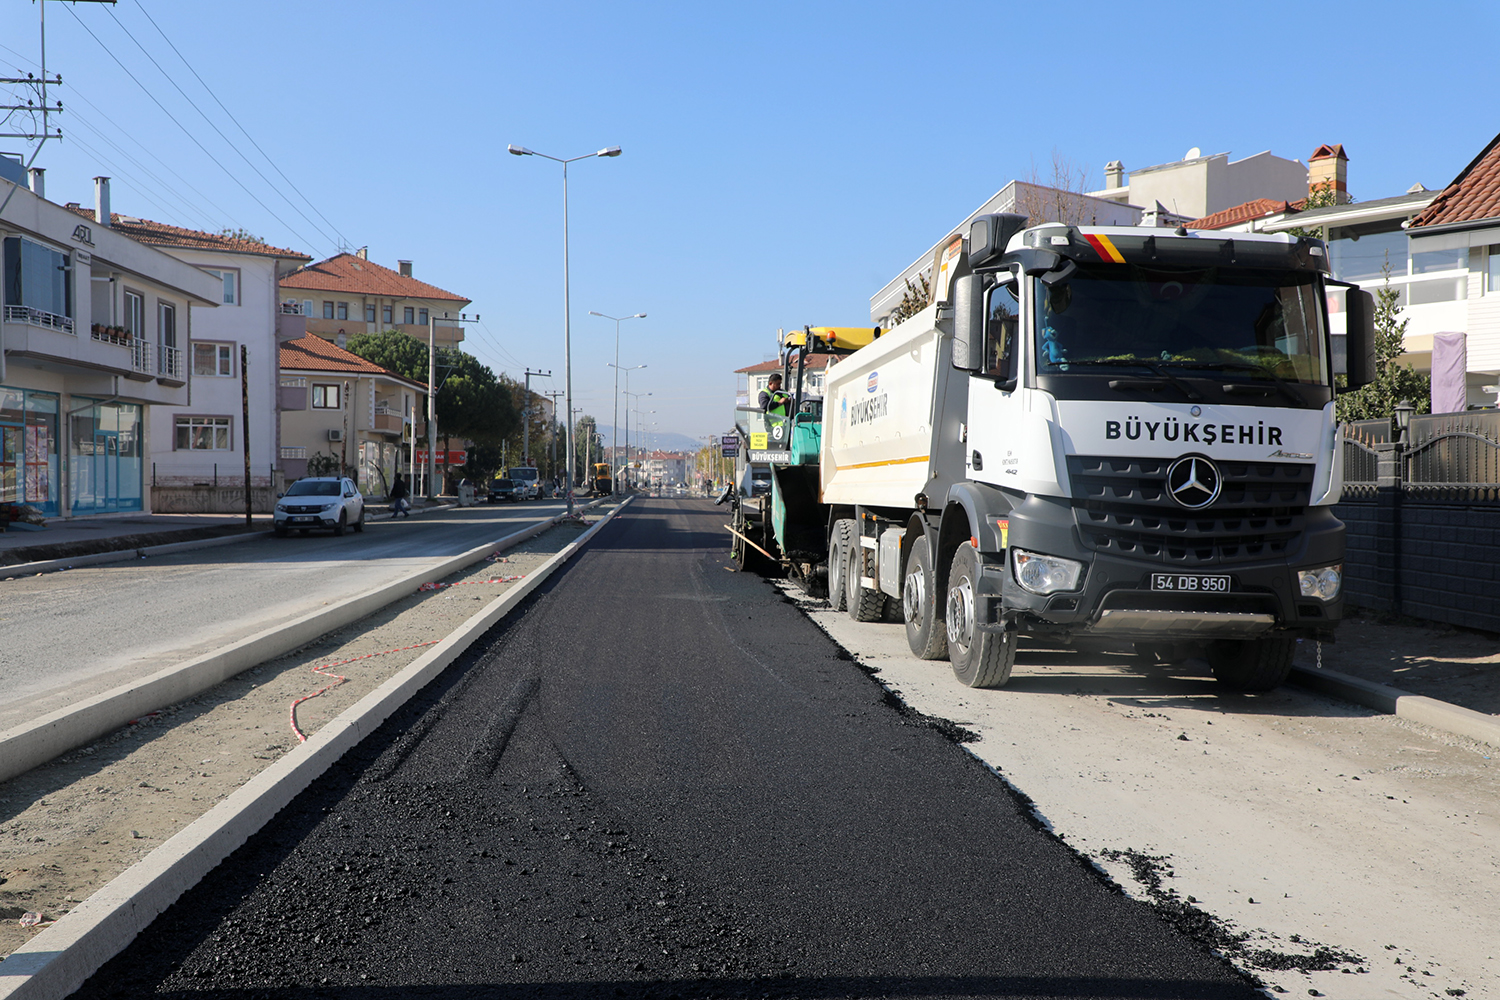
[614, 421]
[627, 372]
[567, 319]
[636, 395]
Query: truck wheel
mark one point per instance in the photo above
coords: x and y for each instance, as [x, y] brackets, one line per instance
[1251, 664]
[925, 632]
[980, 659]
[866, 604]
[838, 558]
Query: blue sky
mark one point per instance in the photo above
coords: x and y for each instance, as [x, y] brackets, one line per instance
[781, 161]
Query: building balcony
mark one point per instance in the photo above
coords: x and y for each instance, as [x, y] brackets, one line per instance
[39, 317]
[388, 423]
[290, 325]
[171, 365]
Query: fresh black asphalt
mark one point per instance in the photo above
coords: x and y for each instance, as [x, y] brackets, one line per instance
[659, 779]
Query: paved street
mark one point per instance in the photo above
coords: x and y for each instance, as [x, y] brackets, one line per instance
[661, 778]
[74, 633]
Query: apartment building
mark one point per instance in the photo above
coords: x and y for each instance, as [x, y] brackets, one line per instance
[94, 335]
[348, 294]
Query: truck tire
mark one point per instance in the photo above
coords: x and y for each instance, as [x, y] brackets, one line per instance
[838, 557]
[925, 632]
[866, 604]
[1251, 665]
[980, 659]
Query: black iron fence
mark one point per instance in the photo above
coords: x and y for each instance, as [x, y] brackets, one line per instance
[1422, 511]
[1443, 457]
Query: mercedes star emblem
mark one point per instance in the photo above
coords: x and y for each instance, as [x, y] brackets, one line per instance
[1194, 482]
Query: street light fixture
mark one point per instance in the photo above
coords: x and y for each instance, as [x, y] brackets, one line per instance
[567, 318]
[637, 396]
[614, 421]
[627, 370]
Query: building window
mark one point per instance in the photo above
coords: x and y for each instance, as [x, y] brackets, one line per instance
[203, 434]
[307, 307]
[231, 284]
[407, 314]
[385, 315]
[370, 313]
[1439, 260]
[213, 360]
[343, 310]
[135, 314]
[422, 316]
[1493, 284]
[166, 319]
[38, 277]
[325, 397]
[328, 310]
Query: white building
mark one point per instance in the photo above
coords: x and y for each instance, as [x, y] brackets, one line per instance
[1199, 185]
[198, 464]
[94, 333]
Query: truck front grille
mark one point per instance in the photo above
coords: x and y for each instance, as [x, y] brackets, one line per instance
[1122, 507]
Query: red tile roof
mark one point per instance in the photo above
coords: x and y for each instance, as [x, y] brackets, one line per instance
[312, 353]
[1474, 194]
[353, 275]
[1257, 209]
[1326, 151]
[162, 235]
[815, 362]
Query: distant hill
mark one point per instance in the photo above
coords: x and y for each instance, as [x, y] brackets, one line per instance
[663, 440]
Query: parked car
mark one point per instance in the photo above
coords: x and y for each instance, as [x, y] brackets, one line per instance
[504, 489]
[320, 502]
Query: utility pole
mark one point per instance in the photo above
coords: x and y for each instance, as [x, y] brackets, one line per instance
[552, 451]
[245, 423]
[526, 417]
[432, 390]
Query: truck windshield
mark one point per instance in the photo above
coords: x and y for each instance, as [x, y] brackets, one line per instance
[1233, 323]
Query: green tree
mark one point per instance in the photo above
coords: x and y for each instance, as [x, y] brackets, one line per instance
[236, 233]
[1394, 382]
[394, 351]
[913, 300]
[1321, 196]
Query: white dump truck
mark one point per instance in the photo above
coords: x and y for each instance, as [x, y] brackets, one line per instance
[1113, 434]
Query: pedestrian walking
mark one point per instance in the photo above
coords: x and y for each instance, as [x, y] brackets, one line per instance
[399, 504]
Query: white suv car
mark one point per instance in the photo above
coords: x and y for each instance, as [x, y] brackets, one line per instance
[320, 502]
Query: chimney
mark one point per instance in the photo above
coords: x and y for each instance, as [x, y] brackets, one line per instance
[39, 181]
[1329, 166]
[404, 266]
[1114, 174]
[363, 253]
[101, 200]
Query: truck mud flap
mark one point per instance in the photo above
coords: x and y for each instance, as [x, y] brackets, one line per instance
[798, 514]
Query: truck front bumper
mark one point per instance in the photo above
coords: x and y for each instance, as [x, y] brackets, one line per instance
[1117, 601]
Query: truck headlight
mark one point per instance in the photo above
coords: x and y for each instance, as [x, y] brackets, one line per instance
[1041, 574]
[1321, 583]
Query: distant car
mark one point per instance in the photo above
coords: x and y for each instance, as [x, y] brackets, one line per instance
[320, 502]
[760, 482]
[504, 489]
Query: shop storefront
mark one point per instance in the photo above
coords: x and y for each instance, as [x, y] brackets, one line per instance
[105, 455]
[29, 461]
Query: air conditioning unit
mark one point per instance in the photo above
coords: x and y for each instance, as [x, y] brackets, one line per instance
[337, 434]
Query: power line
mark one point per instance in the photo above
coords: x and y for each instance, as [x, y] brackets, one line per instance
[184, 129]
[166, 166]
[211, 124]
[237, 125]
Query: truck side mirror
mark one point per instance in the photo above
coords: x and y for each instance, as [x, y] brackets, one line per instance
[1360, 338]
[968, 321]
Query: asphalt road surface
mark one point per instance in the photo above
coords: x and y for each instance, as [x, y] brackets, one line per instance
[71, 634]
[660, 779]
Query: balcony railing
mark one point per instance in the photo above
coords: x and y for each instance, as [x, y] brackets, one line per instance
[110, 334]
[140, 356]
[291, 308]
[171, 363]
[39, 317]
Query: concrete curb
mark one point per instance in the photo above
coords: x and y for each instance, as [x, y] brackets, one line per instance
[59, 959]
[34, 743]
[1402, 704]
[121, 555]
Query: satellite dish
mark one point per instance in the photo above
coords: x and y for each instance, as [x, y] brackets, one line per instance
[1193, 153]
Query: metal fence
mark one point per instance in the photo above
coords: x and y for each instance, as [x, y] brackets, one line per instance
[1446, 457]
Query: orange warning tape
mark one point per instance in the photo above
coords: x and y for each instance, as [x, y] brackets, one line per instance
[339, 679]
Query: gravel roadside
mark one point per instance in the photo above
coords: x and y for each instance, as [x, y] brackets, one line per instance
[71, 826]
